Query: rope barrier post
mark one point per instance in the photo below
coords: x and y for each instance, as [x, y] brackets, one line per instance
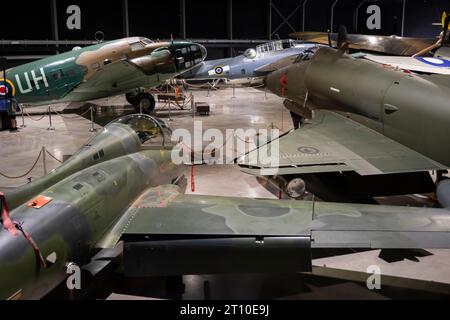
[265, 94]
[234, 92]
[23, 117]
[92, 129]
[209, 87]
[44, 159]
[51, 128]
[170, 118]
[193, 177]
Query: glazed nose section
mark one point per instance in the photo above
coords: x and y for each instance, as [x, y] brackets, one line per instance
[189, 55]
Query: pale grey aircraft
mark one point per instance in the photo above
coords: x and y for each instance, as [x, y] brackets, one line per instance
[253, 64]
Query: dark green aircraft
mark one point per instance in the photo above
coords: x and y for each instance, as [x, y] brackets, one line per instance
[391, 129]
[125, 66]
[122, 188]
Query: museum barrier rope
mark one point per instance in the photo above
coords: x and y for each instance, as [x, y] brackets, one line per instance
[52, 156]
[73, 117]
[34, 165]
[27, 173]
[28, 115]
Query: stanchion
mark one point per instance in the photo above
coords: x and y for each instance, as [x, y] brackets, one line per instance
[234, 92]
[44, 160]
[170, 118]
[265, 94]
[192, 177]
[192, 105]
[51, 128]
[23, 118]
[209, 88]
[92, 129]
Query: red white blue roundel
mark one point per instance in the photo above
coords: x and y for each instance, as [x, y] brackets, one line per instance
[435, 62]
[6, 88]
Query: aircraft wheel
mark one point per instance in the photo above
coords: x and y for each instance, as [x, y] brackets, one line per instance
[146, 102]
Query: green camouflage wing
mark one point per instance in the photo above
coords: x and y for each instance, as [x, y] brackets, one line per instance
[163, 212]
[105, 79]
[333, 143]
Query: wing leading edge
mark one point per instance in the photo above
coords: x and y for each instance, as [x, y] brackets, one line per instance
[167, 233]
[333, 143]
[164, 211]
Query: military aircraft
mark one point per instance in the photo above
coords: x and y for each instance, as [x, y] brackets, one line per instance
[122, 190]
[391, 130]
[253, 64]
[411, 54]
[124, 66]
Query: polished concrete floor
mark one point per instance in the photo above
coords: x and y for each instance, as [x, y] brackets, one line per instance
[343, 276]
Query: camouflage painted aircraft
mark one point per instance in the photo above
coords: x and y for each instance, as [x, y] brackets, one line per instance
[124, 66]
[392, 128]
[388, 45]
[422, 55]
[123, 190]
[252, 65]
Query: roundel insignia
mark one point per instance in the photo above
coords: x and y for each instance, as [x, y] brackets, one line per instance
[435, 62]
[7, 88]
[308, 150]
[218, 70]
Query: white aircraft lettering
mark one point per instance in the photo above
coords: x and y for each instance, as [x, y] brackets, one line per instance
[36, 80]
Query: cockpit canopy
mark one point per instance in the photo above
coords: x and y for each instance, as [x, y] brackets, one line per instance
[250, 53]
[272, 46]
[306, 55]
[150, 130]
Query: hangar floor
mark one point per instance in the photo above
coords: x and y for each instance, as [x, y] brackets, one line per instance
[421, 274]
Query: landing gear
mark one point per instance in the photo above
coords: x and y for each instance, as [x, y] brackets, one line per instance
[297, 120]
[142, 102]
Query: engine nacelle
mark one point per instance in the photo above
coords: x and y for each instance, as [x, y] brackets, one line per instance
[159, 61]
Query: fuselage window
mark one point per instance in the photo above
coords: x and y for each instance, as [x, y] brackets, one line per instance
[58, 75]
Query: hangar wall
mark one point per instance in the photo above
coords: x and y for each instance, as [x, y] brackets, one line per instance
[205, 19]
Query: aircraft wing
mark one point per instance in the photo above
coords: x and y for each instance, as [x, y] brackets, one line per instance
[418, 64]
[108, 76]
[392, 45]
[166, 232]
[333, 143]
[276, 65]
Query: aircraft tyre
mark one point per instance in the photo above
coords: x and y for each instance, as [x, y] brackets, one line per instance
[144, 101]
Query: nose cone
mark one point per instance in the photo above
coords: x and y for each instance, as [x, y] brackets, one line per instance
[273, 82]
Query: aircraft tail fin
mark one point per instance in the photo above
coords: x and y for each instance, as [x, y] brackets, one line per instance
[445, 26]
